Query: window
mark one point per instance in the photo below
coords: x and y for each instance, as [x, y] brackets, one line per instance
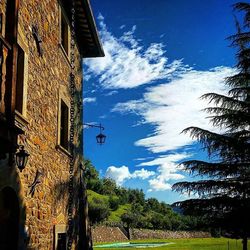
[1, 22]
[61, 241]
[64, 32]
[20, 80]
[10, 20]
[64, 125]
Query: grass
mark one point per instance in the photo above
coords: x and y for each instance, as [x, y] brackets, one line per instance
[191, 244]
[92, 195]
[115, 216]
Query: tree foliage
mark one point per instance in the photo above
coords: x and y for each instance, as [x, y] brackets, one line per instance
[98, 210]
[225, 194]
[149, 213]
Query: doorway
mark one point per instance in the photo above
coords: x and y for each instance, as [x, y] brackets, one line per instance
[9, 219]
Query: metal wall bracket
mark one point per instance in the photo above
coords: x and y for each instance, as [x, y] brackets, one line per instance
[36, 181]
[38, 40]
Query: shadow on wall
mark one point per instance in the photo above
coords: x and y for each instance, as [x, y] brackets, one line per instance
[70, 194]
[77, 230]
[13, 234]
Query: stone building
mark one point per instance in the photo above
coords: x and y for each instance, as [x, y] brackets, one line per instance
[42, 45]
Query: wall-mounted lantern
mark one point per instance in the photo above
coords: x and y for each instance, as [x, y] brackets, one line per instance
[100, 138]
[21, 158]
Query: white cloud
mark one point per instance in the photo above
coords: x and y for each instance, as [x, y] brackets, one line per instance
[127, 64]
[121, 174]
[168, 170]
[89, 100]
[133, 106]
[142, 174]
[165, 159]
[175, 105]
[159, 185]
[113, 92]
[143, 158]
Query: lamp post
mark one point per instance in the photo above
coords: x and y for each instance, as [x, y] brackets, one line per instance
[100, 138]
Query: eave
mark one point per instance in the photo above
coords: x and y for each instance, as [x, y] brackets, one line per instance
[86, 32]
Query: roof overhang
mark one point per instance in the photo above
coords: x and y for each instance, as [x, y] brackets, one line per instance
[86, 32]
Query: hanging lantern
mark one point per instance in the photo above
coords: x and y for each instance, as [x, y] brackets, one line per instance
[21, 158]
[100, 139]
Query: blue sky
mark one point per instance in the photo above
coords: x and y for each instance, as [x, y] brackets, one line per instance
[161, 56]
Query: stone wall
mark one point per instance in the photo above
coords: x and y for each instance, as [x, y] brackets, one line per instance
[114, 234]
[107, 234]
[139, 234]
[47, 81]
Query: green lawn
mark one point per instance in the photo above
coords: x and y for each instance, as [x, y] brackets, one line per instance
[191, 244]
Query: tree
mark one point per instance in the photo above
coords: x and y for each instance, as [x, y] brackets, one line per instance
[98, 210]
[153, 204]
[109, 186]
[91, 177]
[225, 194]
[122, 193]
[129, 220]
[113, 202]
[156, 220]
[136, 196]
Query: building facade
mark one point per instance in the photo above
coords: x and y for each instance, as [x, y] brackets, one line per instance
[42, 44]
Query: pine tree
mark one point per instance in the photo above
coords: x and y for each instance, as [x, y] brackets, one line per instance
[224, 191]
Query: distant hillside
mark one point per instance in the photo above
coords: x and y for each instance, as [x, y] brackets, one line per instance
[115, 216]
[110, 203]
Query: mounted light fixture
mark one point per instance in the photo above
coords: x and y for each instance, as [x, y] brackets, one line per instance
[100, 138]
[21, 158]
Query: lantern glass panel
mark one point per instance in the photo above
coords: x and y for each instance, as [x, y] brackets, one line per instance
[100, 138]
[21, 159]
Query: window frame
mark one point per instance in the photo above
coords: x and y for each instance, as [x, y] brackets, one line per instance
[1, 23]
[23, 46]
[59, 229]
[62, 14]
[64, 125]
[66, 101]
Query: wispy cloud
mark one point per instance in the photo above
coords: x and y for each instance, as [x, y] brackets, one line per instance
[89, 100]
[122, 26]
[121, 174]
[175, 105]
[127, 64]
[167, 170]
[113, 92]
[143, 158]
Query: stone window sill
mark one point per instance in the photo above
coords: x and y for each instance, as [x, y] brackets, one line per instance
[21, 122]
[64, 150]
